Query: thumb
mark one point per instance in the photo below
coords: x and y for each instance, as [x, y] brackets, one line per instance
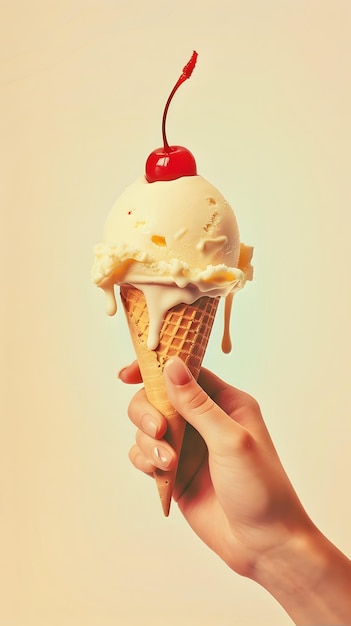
[197, 408]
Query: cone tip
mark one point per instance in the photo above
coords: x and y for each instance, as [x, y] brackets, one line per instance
[166, 508]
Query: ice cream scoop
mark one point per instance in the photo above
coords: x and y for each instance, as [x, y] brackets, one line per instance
[181, 233]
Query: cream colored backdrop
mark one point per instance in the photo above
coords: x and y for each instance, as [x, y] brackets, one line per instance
[267, 114]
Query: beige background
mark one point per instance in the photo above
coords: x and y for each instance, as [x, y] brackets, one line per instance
[267, 114]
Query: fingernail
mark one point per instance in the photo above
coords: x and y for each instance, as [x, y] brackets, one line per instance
[162, 455]
[149, 425]
[120, 373]
[178, 372]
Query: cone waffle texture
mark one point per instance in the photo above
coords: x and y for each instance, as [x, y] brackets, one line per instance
[185, 333]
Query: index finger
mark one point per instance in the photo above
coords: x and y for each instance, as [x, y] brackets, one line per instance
[130, 374]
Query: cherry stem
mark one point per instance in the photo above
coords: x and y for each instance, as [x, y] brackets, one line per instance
[187, 72]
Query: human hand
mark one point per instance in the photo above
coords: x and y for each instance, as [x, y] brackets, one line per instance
[234, 492]
[231, 486]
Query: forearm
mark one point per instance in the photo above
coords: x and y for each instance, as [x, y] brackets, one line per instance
[311, 580]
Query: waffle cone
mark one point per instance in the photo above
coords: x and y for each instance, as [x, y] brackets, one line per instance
[185, 333]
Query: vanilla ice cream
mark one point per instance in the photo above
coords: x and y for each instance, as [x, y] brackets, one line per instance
[175, 241]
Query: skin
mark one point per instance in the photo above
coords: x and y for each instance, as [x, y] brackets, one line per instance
[234, 492]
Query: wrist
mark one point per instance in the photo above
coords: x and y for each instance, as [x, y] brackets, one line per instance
[309, 577]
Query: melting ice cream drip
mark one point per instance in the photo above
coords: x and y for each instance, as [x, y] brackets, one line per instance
[111, 304]
[162, 298]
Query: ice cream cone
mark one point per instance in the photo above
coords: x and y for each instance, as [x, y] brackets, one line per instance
[185, 333]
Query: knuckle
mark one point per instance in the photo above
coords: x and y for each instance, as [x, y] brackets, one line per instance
[133, 453]
[199, 403]
[135, 406]
[140, 438]
[130, 413]
[252, 404]
[140, 461]
[241, 443]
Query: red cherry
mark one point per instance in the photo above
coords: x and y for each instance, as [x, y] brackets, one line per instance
[171, 162]
[169, 165]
